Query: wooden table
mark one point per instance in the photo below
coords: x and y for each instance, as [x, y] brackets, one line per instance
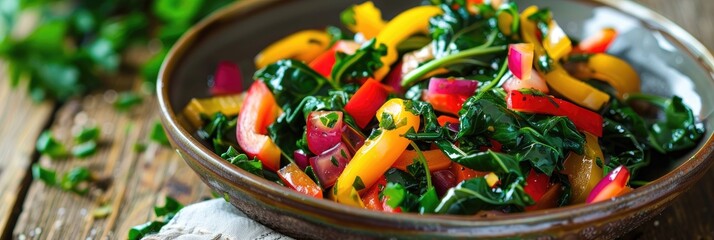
[31, 210]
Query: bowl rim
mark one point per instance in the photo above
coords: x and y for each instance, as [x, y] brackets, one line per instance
[665, 187]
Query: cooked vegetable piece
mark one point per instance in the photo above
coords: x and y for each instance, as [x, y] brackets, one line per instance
[453, 86]
[363, 18]
[297, 180]
[447, 103]
[599, 42]
[259, 111]
[582, 170]
[610, 186]
[610, 69]
[330, 164]
[305, 46]
[582, 118]
[520, 60]
[536, 82]
[366, 101]
[323, 64]
[536, 184]
[435, 159]
[379, 152]
[229, 105]
[407, 23]
[227, 79]
[556, 42]
[324, 130]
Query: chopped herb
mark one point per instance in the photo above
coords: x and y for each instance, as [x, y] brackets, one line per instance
[48, 145]
[240, 160]
[139, 147]
[74, 179]
[311, 173]
[127, 100]
[334, 161]
[387, 122]
[102, 211]
[158, 135]
[343, 154]
[43, 174]
[375, 133]
[87, 134]
[168, 211]
[85, 149]
[358, 184]
[329, 120]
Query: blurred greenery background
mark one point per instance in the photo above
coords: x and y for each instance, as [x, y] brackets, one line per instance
[65, 48]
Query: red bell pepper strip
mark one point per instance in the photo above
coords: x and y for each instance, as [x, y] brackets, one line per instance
[598, 43]
[372, 200]
[259, 111]
[366, 101]
[583, 119]
[536, 184]
[447, 103]
[463, 173]
[298, 180]
[323, 63]
[443, 120]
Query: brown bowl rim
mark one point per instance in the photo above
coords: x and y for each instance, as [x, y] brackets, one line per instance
[674, 182]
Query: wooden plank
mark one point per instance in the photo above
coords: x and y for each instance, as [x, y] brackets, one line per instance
[139, 180]
[690, 216]
[21, 121]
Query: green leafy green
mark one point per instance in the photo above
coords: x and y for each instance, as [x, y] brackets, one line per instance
[43, 174]
[158, 134]
[48, 145]
[359, 65]
[75, 179]
[85, 149]
[292, 80]
[240, 160]
[219, 130]
[168, 211]
[473, 195]
[127, 100]
[87, 134]
[679, 129]
[457, 30]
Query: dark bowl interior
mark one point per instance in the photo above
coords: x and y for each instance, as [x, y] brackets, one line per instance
[668, 60]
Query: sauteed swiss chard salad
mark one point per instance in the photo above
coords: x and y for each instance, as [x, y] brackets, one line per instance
[457, 107]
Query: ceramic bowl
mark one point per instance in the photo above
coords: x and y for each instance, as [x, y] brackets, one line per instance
[668, 59]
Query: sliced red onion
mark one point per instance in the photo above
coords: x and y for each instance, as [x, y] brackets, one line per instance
[352, 138]
[520, 60]
[452, 86]
[324, 130]
[610, 186]
[443, 180]
[227, 79]
[329, 165]
[301, 159]
[394, 78]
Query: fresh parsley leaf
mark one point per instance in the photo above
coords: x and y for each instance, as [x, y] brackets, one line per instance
[158, 135]
[85, 149]
[48, 145]
[358, 184]
[87, 134]
[43, 174]
[127, 100]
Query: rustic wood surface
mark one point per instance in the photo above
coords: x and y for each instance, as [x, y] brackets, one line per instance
[138, 181]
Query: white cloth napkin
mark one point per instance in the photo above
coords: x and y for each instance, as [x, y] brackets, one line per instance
[216, 220]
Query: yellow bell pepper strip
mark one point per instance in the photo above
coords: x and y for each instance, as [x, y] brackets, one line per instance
[378, 153]
[229, 105]
[575, 90]
[407, 23]
[582, 170]
[556, 42]
[616, 72]
[304, 46]
[556, 77]
[364, 18]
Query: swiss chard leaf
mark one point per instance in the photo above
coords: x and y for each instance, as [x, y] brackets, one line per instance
[457, 29]
[622, 147]
[475, 194]
[679, 129]
[240, 160]
[359, 65]
[292, 80]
